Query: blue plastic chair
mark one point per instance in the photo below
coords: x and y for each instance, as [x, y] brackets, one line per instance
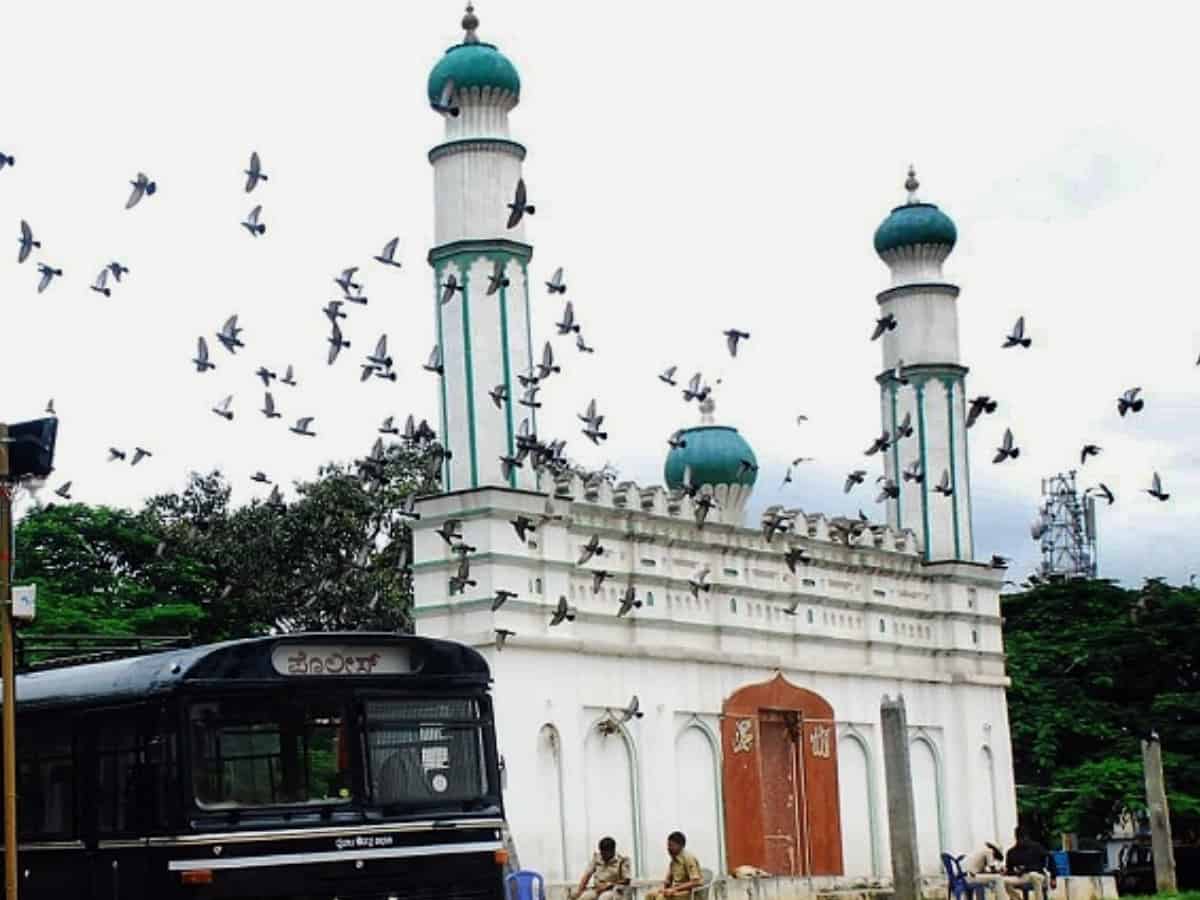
[519, 886]
[957, 883]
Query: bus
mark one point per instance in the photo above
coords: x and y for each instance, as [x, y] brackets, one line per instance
[356, 766]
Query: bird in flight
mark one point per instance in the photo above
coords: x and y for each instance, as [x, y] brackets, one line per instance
[732, 336]
[501, 597]
[27, 242]
[7, 159]
[793, 557]
[592, 548]
[1088, 450]
[980, 405]
[266, 375]
[568, 323]
[201, 361]
[499, 394]
[48, 274]
[520, 207]
[694, 391]
[260, 477]
[667, 376]
[854, 478]
[556, 285]
[629, 602]
[1017, 336]
[388, 255]
[117, 271]
[449, 288]
[1006, 450]
[289, 377]
[100, 285]
[562, 613]
[228, 335]
[1156, 488]
[114, 454]
[142, 187]
[434, 363]
[445, 102]
[882, 324]
[251, 223]
[268, 409]
[677, 441]
[497, 279]
[943, 486]
[139, 454]
[1103, 490]
[302, 427]
[522, 525]
[905, 429]
[336, 343]
[254, 174]
[64, 491]
[346, 281]
[880, 444]
[222, 409]
[1130, 402]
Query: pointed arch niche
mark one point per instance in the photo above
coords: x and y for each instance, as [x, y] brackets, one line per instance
[551, 812]
[611, 789]
[698, 791]
[780, 780]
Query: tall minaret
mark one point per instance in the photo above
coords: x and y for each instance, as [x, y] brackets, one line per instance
[485, 338]
[914, 241]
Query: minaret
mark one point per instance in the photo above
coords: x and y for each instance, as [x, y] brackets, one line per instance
[485, 338]
[914, 241]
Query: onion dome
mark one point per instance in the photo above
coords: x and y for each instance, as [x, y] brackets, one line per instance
[714, 453]
[915, 224]
[473, 64]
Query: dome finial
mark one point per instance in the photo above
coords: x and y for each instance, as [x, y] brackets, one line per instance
[470, 22]
[911, 184]
[707, 407]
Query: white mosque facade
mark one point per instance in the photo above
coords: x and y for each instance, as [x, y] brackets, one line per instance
[759, 697]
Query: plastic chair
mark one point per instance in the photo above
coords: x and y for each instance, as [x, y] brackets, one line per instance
[519, 886]
[957, 883]
[703, 892]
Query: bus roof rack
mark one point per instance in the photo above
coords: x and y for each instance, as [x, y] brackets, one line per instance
[38, 652]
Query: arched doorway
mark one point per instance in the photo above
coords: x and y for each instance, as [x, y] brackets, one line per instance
[779, 773]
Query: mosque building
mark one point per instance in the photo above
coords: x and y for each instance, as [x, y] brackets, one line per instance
[758, 684]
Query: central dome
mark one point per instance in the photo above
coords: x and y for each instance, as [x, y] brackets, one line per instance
[914, 224]
[715, 453]
[474, 65]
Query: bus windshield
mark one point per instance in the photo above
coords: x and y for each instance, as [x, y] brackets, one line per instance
[269, 752]
[425, 752]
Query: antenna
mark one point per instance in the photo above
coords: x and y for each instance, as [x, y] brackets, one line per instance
[1066, 529]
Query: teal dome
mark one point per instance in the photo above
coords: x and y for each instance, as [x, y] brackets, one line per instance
[715, 453]
[912, 224]
[474, 65]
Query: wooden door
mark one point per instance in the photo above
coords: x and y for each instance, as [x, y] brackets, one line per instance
[782, 793]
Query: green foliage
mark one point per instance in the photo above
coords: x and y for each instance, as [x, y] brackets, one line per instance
[1095, 668]
[191, 563]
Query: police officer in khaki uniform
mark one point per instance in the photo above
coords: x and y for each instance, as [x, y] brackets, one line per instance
[683, 874]
[612, 874]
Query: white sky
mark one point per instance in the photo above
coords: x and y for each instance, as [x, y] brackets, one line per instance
[695, 167]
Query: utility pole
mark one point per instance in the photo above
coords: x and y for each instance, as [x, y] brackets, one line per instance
[8, 727]
[902, 817]
[1160, 816]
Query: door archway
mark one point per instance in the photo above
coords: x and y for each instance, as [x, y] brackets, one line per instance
[779, 774]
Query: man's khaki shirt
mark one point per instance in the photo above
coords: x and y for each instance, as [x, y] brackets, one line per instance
[684, 867]
[615, 871]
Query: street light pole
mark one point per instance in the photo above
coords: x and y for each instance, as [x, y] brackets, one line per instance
[9, 725]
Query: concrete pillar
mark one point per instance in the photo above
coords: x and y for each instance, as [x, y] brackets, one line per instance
[902, 818]
[1160, 817]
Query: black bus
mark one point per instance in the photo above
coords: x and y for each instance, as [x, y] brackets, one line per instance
[354, 766]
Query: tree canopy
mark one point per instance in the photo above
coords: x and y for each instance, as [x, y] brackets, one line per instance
[190, 563]
[1096, 668]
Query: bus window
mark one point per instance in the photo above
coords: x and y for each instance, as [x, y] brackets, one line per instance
[46, 777]
[268, 753]
[425, 752]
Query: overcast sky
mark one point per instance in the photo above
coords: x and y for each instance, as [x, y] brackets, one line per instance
[695, 167]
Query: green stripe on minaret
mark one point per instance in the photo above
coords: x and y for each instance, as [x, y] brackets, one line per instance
[953, 468]
[920, 388]
[508, 401]
[466, 323]
[896, 458]
[529, 348]
[437, 311]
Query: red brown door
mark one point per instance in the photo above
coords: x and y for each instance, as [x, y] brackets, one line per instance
[783, 793]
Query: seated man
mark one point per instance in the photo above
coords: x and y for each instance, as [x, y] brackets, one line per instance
[986, 867]
[612, 874]
[683, 873]
[1025, 865]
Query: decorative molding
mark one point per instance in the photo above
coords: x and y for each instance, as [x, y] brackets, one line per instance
[464, 145]
[482, 247]
[917, 287]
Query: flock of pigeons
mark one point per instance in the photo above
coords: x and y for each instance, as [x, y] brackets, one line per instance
[542, 455]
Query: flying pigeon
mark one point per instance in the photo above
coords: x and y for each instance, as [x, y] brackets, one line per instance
[445, 102]
[529, 398]
[1103, 490]
[913, 472]
[555, 285]
[389, 426]
[885, 323]
[546, 367]
[48, 274]
[1006, 450]
[387, 256]
[499, 394]
[1017, 336]
[704, 504]
[502, 597]
[880, 444]
[562, 613]
[266, 375]
[434, 364]
[260, 477]
[333, 310]
[668, 376]
[380, 358]
[408, 507]
[1130, 402]
[855, 477]
[793, 556]
[450, 531]
[598, 577]
[138, 455]
[700, 582]
[100, 285]
[979, 405]
[522, 525]
[289, 377]
[629, 602]
[943, 486]
[590, 549]
[27, 242]
[630, 712]
[509, 463]
[301, 427]
[1156, 490]
[222, 409]
[50, 407]
[677, 441]
[117, 271]
[694, 391]
[502, 634]
[254, 174]
[268, 409]
[581, 344]
[201, 361]
[64, 491]
[568, 324]
[898, 372]
[142, 187]
[7, 159]
[114, 454]
[793, 605]
[497, 279]
[905, 429]
[449, 288]
[228, 335]
[732, 336]
[520, 205]
[251, 223]
[336, 343]
[1088, 450]
[890, 489]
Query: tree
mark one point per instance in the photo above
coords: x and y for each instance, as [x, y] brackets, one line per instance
[1094, 669]
[190, 563]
